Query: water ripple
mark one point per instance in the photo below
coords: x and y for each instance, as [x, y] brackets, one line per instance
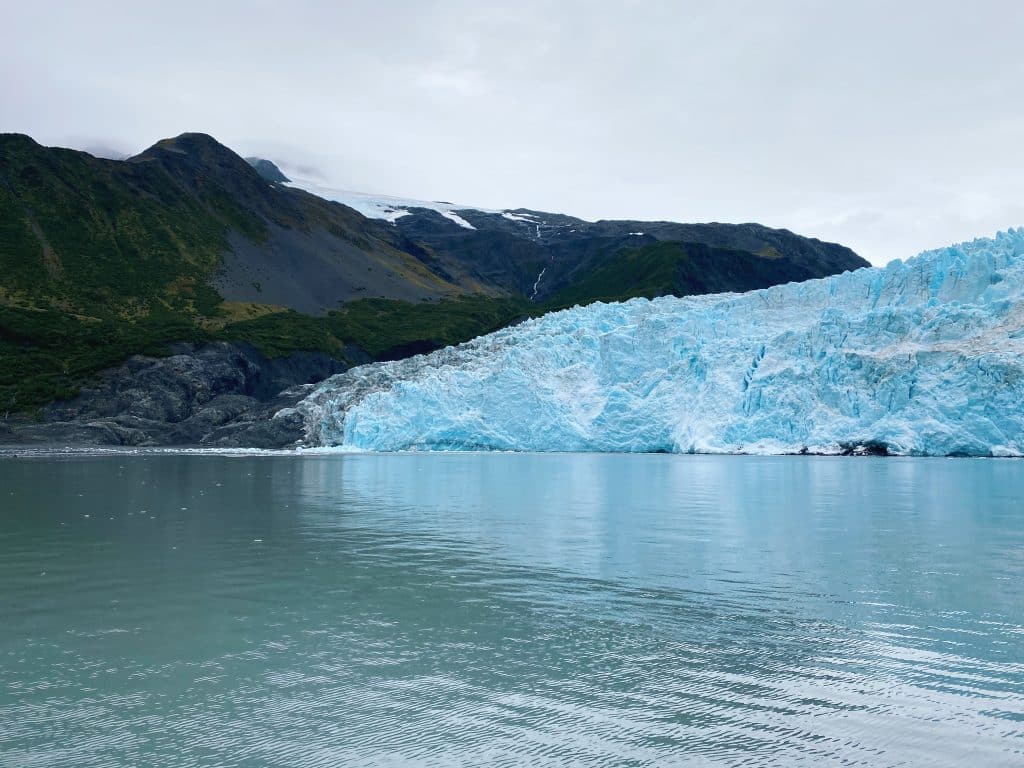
[607, 611]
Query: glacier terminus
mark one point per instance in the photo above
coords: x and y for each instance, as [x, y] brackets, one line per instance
[922, 357]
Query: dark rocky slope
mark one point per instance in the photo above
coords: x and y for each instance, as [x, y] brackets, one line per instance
[220, 395]
[511, 248]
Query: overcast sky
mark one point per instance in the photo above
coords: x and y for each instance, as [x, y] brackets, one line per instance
[887, 126]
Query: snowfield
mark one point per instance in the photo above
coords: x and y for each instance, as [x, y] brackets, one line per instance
[923, 357]
[387, 207]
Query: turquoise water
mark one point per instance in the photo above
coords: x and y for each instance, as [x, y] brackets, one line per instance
[510, 609]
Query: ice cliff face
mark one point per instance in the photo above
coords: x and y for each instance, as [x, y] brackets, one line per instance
[921, 357]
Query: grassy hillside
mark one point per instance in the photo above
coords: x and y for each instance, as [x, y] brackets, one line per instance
[102, 259]
[109, 238]
[382, 329]
[680, 269]
[99, 260]
[105, 239]
[49, 354]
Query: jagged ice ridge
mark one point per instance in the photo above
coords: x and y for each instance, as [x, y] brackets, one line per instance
[923, 357]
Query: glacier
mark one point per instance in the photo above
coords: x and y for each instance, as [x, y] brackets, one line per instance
[922, 357]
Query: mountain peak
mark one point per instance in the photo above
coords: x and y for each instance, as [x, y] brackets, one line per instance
[194, 149]
[267, 169]
[18, 138]
[189, 143]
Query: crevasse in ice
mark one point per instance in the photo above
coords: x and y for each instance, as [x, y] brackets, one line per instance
[922, 357]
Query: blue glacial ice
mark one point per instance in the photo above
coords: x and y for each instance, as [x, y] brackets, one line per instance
[923, 357]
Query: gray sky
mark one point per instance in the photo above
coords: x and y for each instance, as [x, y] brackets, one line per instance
[887, 126]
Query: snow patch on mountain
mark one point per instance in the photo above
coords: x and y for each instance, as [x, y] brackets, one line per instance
[529, 218]
[387, 207]
[923, 357]
[390, 208]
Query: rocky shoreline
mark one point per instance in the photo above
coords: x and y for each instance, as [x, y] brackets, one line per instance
[211, 395]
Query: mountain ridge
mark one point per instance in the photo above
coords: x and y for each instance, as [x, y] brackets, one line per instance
[566, 246]
[187, 242]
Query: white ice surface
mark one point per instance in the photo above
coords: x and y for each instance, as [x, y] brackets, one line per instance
[925, 357]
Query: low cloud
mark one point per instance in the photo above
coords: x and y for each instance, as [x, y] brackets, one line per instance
[843, 121]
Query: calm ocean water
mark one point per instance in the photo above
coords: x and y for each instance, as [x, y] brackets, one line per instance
[179, 610]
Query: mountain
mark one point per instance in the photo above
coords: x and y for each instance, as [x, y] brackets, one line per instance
[185, 216]
[550, 257]
[188, 242]
[266, 169]
[102, 259]
[924, 357]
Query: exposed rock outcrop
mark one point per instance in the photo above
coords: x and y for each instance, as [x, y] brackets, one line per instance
[222, 394]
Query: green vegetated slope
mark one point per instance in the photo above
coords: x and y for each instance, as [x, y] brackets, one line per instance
[102, 259]
[383, 329]
[88, 235]
[680, 269]
[98, 260]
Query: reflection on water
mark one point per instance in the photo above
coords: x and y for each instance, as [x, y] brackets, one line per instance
[508, 609]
